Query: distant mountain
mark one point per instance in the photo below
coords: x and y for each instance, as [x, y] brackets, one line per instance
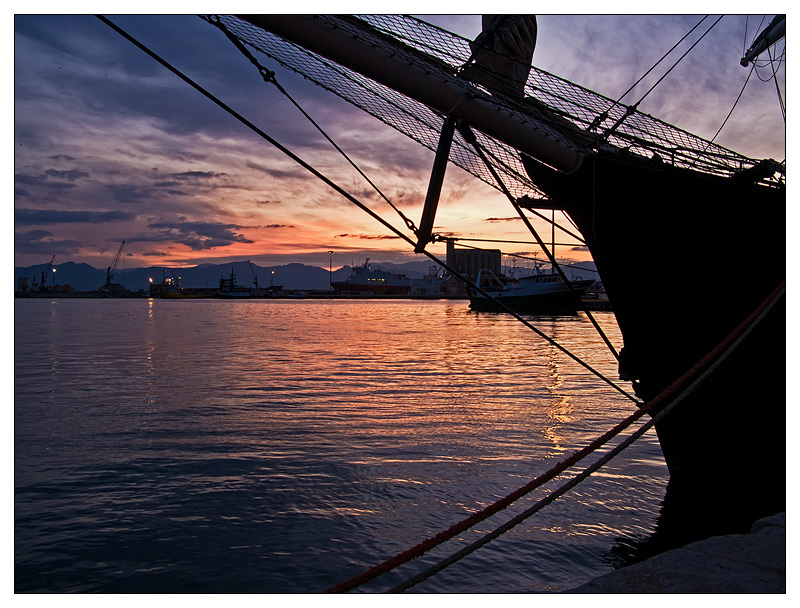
[83, 277]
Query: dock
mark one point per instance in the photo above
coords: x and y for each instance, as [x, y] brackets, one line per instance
[734, 563]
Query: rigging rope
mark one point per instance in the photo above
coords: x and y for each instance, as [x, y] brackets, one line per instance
[631, 109]
[679, 60]
[777, 85]
[469, 136]
[269, 76]
[643, 76]
[363, 207]
[735, 103]
[530, 201]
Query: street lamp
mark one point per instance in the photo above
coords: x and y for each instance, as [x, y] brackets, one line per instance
[272, 279]
[54, 277]
[330, 271]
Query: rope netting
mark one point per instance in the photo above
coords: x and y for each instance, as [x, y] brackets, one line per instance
[566, 106]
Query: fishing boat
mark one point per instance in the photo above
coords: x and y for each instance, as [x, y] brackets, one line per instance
[538, 293]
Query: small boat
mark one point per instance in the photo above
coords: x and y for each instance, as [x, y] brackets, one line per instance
[538, 293]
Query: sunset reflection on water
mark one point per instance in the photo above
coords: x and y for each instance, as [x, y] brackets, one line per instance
[283, 433]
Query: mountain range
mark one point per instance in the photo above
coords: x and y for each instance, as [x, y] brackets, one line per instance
[84, 277]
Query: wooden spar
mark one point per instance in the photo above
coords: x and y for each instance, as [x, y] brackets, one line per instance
[771, 35]
[435, 184]
[444, 95]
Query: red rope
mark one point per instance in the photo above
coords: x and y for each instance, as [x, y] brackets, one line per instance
[559, 468]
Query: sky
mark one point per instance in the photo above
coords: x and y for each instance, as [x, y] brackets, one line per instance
[110, 146]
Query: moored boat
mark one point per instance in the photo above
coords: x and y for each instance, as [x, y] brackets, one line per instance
[537, 293]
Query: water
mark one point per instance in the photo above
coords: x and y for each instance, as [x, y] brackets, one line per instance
[283, 446]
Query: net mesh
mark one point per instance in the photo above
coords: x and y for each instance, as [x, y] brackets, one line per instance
[567, 105]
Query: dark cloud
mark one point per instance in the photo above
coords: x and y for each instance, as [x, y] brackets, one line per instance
[33, 242]
[36, 217]
[129, 193]
[196, 235]
[33, 235]
[294, 173]
[494, 220]
[367, 237]
[41, 179]
[69, 175]
[197, 175]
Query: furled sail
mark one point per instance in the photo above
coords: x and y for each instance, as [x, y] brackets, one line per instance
[503, 52]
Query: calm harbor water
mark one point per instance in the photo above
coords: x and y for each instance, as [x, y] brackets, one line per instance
[283, 446]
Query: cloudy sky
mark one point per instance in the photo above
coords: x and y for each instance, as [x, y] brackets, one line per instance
[109, 146]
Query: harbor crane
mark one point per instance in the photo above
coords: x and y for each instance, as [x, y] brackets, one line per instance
[113, 268]
[253, 274]
[50, 269]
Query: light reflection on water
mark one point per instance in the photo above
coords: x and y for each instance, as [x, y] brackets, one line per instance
[283, 446]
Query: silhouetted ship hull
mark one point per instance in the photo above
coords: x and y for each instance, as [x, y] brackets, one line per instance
[638, 190]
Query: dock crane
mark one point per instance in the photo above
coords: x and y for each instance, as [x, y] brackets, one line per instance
[113, 268]
[50, 269]
[253, 274]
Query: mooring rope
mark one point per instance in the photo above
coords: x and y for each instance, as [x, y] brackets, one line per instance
[704, 367]
[721, 353]
[269, 77]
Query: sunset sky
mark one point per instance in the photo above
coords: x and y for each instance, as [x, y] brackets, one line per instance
[110, 146]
